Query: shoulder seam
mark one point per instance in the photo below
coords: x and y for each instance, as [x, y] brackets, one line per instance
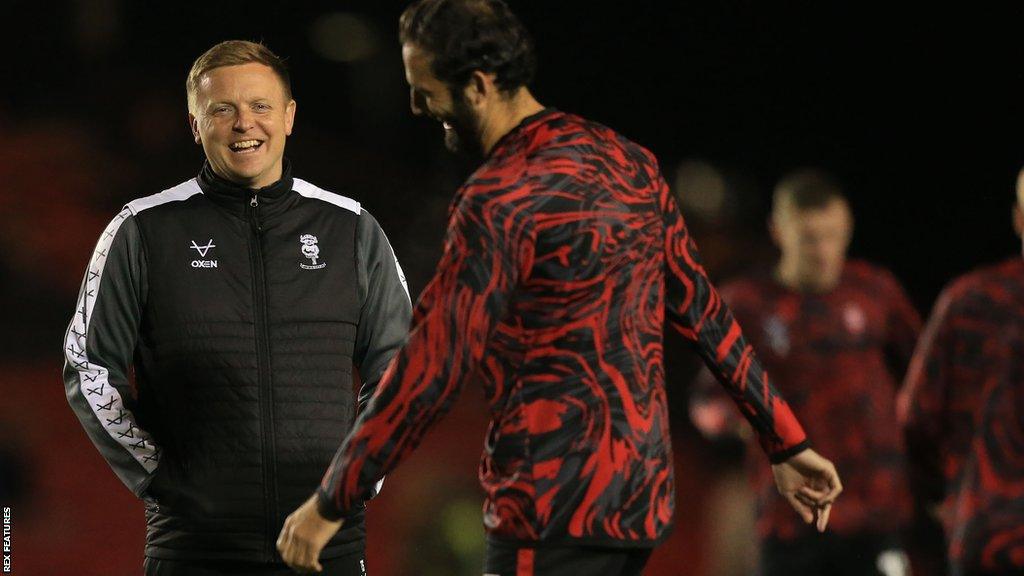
[308, 190]
[182, 191]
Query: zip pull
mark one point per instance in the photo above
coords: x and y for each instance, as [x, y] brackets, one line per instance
[255, 203]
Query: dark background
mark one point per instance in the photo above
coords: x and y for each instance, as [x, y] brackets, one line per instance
[916, 111]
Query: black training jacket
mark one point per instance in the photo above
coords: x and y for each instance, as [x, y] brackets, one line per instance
[240, 313]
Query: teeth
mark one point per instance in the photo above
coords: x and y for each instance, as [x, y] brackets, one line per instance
[446, 125]
[245, 144]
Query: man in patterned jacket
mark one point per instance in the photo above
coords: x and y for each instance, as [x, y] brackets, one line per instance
[963, 409]
[837, 335]
[564, 252]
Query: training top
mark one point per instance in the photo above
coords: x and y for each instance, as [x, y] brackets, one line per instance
[564, 251]
[963, 408]
[839, 358]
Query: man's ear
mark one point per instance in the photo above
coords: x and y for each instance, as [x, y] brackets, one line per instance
[480, 87]
[289, 117]
[193, 124]
[773, 228]
[1018, 219]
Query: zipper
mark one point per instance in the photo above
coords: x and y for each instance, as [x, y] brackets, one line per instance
[266, 400]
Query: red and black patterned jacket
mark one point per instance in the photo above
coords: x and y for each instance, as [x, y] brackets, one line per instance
[564, 251]
[838, 358]
[963, 408]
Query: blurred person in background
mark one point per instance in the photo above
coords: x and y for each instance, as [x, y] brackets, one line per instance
[963, 409]
[565, 250]
[837, 337]
[240, 300]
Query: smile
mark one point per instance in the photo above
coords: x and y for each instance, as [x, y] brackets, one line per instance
[245, 146]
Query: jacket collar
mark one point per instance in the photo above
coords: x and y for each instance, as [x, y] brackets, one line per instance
[521, 130]
[237, 199]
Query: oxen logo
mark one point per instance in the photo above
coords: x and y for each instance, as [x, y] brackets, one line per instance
[312, 251]
[202, 250]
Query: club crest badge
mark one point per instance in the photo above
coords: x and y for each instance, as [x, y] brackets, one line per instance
[855, 319]
[312, 251]
[777, 335]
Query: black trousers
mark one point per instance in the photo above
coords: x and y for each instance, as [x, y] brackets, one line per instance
[511, 560]
[351, 565]
[829, 554]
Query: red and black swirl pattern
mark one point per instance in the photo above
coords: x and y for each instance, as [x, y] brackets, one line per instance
[963, 408]
[564, 252]
[838, 357]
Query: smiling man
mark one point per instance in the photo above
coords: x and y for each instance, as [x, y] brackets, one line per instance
[565, 253]
[241, 300]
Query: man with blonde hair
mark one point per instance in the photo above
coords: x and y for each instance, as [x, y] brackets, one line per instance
[242, 300]
[837, 336]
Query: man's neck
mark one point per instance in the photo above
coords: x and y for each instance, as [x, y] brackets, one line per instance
[510, 114]
[274, 176]
[788, 277]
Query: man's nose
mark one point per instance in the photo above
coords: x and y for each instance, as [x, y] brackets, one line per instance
[416, 103]
[243, 120]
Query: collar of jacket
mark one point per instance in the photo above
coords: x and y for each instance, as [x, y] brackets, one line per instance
[525, 128]
[510, 141]
[236, 198]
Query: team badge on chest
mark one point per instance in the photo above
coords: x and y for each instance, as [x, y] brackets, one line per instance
[777, 335]
[312, 251]
[855, 319]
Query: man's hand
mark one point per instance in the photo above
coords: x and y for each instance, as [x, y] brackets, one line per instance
[303, 537]
[811, 484]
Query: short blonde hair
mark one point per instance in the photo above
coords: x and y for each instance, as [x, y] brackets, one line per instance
[234, 53]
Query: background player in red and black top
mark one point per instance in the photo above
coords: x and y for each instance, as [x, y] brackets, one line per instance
[565, 250]
[837, 337]
[963, 408]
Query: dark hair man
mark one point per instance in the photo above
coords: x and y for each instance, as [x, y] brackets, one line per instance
[564, 251]
[963, 409]
[837, 337]
[240, 299]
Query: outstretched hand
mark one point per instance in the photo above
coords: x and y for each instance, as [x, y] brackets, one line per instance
[810, 484]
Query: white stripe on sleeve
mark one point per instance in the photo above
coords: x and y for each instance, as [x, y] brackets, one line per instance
[94, 385]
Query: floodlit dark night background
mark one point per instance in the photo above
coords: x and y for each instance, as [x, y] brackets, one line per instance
[918, 113]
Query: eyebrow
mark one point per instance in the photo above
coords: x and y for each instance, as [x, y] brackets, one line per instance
[252, 101]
